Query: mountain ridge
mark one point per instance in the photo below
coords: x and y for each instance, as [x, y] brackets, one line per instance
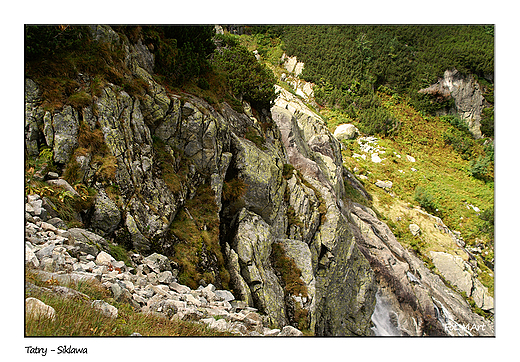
[250, 150]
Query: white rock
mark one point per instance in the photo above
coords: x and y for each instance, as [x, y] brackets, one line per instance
[32, 198]
[384, 184]
[48, 227]
[166, 277]
[414, 229]
[345, 132]
[357, 155]
[105, 308]
[61, 182]
[29, 208]
[410, 158]
[224, 295]
[129, 285]
[104, 258]
[37, 309]
[190, 299]
[290, 331]
[272, 332]
[30, 257]
[375, 158]
[298, 69]
[89, 266]
[181, 289]
[454, 269]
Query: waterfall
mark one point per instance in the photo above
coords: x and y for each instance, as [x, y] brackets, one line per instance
[451, 327]
[385, 320]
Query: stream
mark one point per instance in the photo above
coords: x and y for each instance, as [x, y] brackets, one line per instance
[384, 318]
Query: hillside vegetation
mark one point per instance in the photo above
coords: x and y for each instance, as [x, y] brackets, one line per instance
[348, 64]
[369, 76]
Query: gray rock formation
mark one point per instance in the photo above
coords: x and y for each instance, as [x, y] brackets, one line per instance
[459, 273]
[422, 302]
[466, 92]
[163, 147]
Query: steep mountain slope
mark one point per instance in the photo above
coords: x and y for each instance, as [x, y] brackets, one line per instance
[249, 199]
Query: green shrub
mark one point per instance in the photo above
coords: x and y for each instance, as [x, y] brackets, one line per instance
[487, 122]
[181, 52]
[425, 199]
[479, 168]
[247, 78]
[202, 83]
[459, 136]
[402, 58]
[488, 222]
[377, 120]
[47, 40]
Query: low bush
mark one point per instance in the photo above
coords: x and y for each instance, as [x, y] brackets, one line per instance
[425, 199]
[479, 168]
[248, 79]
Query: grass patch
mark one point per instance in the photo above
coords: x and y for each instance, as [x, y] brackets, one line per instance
[289, 272]
[233, 190]
[198, 250]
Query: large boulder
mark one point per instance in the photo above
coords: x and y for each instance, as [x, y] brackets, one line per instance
[261, 171]
[106, 216]
[459, 273]
[346, 132]
[252, 244]
[65, 125]
[36, 309]
[86, 240]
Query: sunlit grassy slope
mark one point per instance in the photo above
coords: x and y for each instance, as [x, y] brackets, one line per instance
[438, 169]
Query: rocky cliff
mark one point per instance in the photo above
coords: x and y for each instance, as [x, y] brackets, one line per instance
[229, 195]
[467, 95]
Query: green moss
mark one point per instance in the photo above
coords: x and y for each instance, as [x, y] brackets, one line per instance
[289, 272]
[256, 138]
[174, 176]
[288, 171]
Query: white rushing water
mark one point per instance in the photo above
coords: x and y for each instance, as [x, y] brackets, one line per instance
[384, 318]
[451, 327]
